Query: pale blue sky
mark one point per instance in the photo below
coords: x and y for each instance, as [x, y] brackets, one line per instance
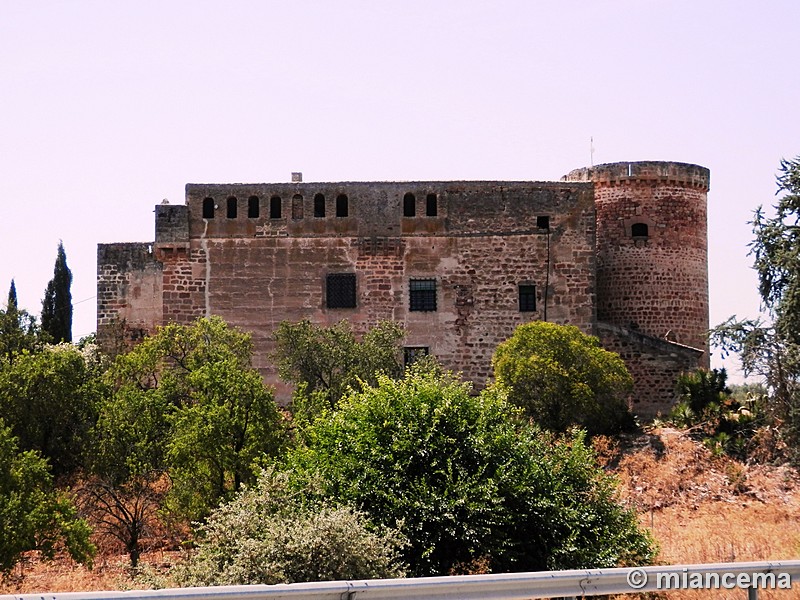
[108, 107]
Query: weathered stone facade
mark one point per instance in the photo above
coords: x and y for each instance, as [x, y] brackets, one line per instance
[459, 264]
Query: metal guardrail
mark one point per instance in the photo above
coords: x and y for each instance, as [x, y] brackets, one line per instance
[507, 586]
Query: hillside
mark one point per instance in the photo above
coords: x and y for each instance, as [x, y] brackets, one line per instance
[700, 508]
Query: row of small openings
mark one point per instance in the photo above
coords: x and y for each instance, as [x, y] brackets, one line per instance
[410, 205]
[275, 212]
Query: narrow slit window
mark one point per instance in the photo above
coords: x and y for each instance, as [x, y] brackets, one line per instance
[319, 205]
[341, 205]
[431, 208]
[409, 205]
[208, 208]
[340, 290]
[275, 207]
[527, 297]
[639, 230]
[422, 295]
[297, 207]
[253, 208]
[232, 208]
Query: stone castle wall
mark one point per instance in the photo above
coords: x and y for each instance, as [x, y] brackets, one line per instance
[652, 248]
[263, 253]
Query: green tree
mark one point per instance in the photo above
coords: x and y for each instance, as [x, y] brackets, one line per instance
[210, 417]
[562, 378]
[126, 462]
[33, 516]
[329, 360]
[11, 305]
[18, 329]
[467, 479]
[57, 303]
[50, 400]
[771, 349]
[268, 534]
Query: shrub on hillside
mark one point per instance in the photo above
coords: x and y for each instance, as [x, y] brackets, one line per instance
[467, 479]
[269, 534]
[563, 378]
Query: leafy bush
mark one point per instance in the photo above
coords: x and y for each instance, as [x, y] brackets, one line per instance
[268, 534]
[49, 398]
[726, 423]
[563, 378]
[33, 516]
[468, 480]
[329, 360]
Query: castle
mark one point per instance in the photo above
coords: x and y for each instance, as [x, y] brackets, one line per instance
[619, 250]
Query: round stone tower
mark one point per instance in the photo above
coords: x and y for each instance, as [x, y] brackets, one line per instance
[652, 248]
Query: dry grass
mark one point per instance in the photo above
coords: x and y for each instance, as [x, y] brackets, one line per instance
[706, 509]
[700, 509]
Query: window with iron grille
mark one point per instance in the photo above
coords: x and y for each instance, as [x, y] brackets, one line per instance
[340, 290]
[422, 294]
[527, 298]
[412, 354]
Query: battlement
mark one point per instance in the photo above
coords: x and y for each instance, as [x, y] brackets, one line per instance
[379, 209]
[682, 174]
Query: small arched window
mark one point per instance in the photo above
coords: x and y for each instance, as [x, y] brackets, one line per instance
[639, 230]
[275, 207]
[231, 208]
[319, 205]
[253, 207]
[341, 205]
[297, 207]
[431, 208]
[208, 208]
[409, 205]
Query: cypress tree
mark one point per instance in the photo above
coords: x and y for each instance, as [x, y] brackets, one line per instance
[11, 305]
[57, 303]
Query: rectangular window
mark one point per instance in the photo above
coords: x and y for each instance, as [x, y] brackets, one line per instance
[527, 298]
[422, 294]
[340, 290]
[412, 354]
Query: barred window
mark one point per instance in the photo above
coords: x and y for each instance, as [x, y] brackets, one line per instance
[527, 298]
[340, 290]
[412, 354]
[422, 294]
